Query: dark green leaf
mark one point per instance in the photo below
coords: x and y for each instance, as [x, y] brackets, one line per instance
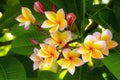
[11, 69]
[59, 4]
[2, 3]
[116, 10]
[104, 16]
[89, 4]
[8, 19]
[46, 75]
[27, 62]
[27, 3]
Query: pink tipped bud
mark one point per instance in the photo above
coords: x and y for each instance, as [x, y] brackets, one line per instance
[70, 18]
[53, 7]
[33, 41]
[38, 7]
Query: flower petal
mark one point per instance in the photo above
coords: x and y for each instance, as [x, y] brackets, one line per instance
[21, 19]
[27, 23]
[51, 48]
[51, 16]
[44, 48]
[89, 40]
[65, 63]
[36, 65]
[63, 24]
[53, 52]
[106, 35]
[97, 54]
[42, 54]
[34, 57]
[100, 45]
[111, 44]
[54, 29]
[60, 14]
[27, 14]
[74, 53]
[97, 35]
[71, 69]
[47, 24]
[86, 57]
[50, 41]
[56, 36]
[36, 51]
[83, 50]
[105, 52]
[49, 60]
[66, 35]
[78, 62]
[66, 53]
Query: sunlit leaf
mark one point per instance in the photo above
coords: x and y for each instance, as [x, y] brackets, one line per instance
[112, 62]
[22, 43]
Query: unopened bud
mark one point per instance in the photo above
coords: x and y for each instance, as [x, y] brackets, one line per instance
[38, 7]
[70, 18]
[53, 7]
[33, 41]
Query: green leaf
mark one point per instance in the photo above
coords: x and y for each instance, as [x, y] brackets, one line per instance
[30, 73]
[22, 44]
[8, 19]
[47, 4]
[59, 4]
[47, 75]
[104, 16]
[116, 10]
[30, 3]
[2, 3]
[27, 3]
[112, 62]
[11, 69]
[10, 3]
[89, 4]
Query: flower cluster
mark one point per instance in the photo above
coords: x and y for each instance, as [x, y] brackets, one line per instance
[97, 45]
[56, 46]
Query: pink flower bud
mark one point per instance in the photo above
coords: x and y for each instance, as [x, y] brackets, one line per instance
[38, 7]
[33, 41]
[53, 7]
[70, 18]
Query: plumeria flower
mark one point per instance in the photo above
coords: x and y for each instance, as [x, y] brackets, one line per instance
[55, 21]
[107, 37]
[92, 48]
[36, 59]
[71, 60]
[49, 53]
[59, 39]
[26, 18]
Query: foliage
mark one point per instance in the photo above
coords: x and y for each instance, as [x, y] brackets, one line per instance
[16, 64]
